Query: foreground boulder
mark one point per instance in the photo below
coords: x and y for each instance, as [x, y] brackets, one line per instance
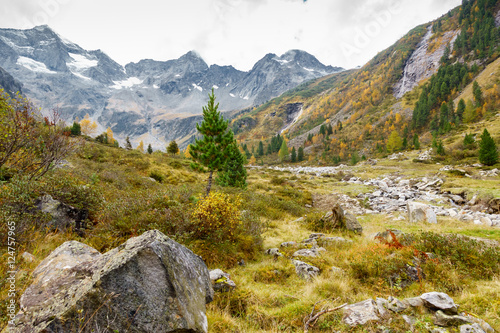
[148, 284]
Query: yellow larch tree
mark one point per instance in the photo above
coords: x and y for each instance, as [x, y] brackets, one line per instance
[140, 147]
[88, 127]
[109, 133]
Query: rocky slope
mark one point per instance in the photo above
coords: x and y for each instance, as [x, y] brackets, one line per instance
[135, 99]
[8, 83]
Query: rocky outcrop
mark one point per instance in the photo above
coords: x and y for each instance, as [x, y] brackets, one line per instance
[8, 83]
[63, 216]
[440, 305]
[148, 284]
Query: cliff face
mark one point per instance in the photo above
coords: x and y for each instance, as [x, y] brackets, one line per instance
[424, 62]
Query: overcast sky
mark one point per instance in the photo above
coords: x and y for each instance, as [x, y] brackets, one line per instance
[344, 33]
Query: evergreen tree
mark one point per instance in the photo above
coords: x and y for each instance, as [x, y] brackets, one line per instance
[293, 155]
[233, 172]
[354, 158]
[322, 129]
[300, 155]
[150, 149]
[128, 145]
[468, 140]
[269, 150]
[416, 142]
[488, 154]
[283, 152]
[173, 148]
[329, 129]
[460, 109]
[76, 129]
[440, 148]
[260, 151]
[213, 149]
[477, 93]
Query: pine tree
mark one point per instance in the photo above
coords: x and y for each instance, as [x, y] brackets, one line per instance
[76, 129]
[233, 173]
[173, 148]
[213, 149]
[300, 155]
[128, 145]
[460, 109]
[416, 142]
[477, 93]
[260, 151]
[283, 152]
[293, 156]
[488, 154]
[150, 149]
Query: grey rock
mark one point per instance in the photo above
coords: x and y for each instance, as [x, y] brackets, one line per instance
[274, 252]
[361, 313]
[419, 212]
[484, 325]
[382, 307]
[444, 320]
[316, 235]
[221, 281]
[440, 301]
[63, 216]
[288, 244]
[148, 284]
[307, 253]
[28, 257]
[305, 270]
[334, 240]
[415, 302]
[395, 305]
[474, 328]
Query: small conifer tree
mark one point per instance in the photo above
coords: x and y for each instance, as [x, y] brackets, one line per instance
[214, 147]
[150, 149]
[300, 155]
[173, 148]
[293, 156]
[488, 154]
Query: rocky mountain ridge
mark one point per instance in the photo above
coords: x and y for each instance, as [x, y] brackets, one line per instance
[135, 98]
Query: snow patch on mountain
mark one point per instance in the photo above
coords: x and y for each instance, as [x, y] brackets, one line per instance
[197, 87]
[34, 65]
[128, 83]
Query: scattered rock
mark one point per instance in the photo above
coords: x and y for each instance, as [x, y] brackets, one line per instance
[395, 305]
[28, 257]
[415, 302]
[307, 253]
[274, 252]
[288, 244]
[444, 320]
[148, 284]
[474, 328]
[339, 219]
[63, 216]
[221, 281]
[305, 270]
[440, 301]
[361, 313]
[419, 212]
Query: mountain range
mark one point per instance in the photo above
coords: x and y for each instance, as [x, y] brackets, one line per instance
[153, 101]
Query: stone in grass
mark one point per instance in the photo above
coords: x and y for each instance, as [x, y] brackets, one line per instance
[148, 284]
[395, 305]
[419, 212]
[305, 270]
[221, 281]
[439, 301]
[288, 244]
[472, 328]
[361, 313]
[444, 320]
[274, 252]
[308, 252]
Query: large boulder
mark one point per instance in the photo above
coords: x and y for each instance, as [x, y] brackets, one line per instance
[63, 216]
[440, 301]
[340, 219]
[419, 212]
[148, 284]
